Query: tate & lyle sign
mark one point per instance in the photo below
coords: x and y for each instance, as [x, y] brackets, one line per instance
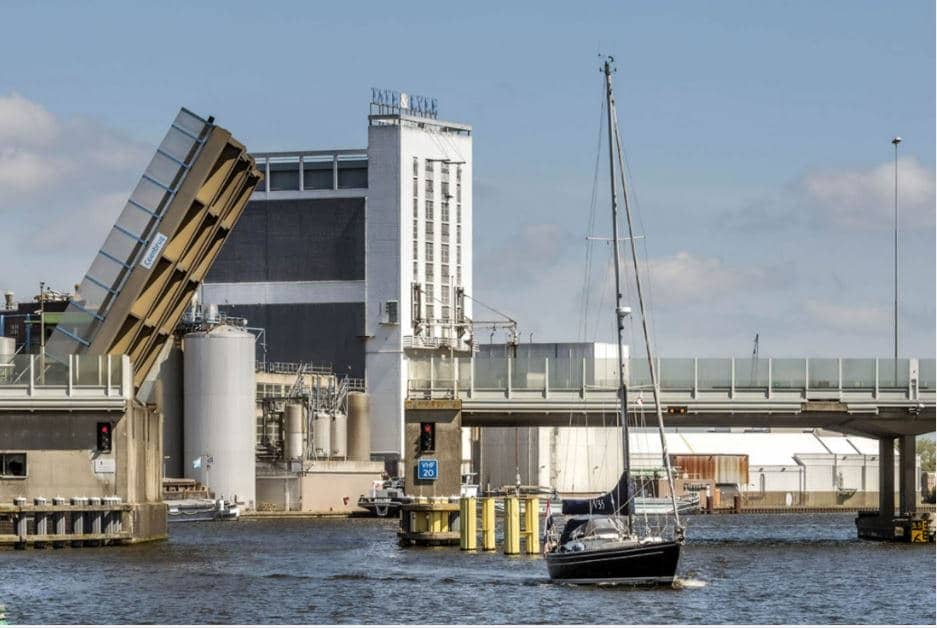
[390, 101]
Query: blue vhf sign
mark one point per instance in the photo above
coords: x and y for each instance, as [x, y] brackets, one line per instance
[390, 101]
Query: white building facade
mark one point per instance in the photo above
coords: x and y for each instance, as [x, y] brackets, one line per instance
[419, 256]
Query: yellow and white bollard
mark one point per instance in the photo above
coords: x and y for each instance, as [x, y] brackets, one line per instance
[488, 523]
[468, 520]
[532, 525]
[512, 526]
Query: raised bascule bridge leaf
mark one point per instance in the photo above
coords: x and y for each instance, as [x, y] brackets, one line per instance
[160, 248]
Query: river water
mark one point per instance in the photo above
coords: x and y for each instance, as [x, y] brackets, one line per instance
[734, 569]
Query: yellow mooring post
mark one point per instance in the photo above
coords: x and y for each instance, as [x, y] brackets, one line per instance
[468, 522]
[512, 525]
[488, 523]
[532, 525]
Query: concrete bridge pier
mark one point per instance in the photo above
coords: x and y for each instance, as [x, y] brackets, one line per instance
[907, 525]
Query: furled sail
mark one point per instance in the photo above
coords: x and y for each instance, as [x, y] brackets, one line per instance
[613, 502]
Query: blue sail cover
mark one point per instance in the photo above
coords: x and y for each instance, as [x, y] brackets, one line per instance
[613, 502]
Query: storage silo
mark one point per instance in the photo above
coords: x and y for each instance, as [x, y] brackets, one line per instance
[219, 411]
[170, 387]
[359, 427]
[7, 351]
[321, 434]
[294, 431]
[338, 435]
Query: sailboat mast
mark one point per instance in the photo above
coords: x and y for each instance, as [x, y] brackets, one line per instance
[620, 312]
[647, 340]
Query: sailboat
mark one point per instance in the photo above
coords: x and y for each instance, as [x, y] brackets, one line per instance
[600, 540]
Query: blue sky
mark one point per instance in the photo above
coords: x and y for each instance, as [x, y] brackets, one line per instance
[757, 135]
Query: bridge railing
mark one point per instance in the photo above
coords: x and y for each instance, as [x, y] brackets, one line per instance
[815, 377]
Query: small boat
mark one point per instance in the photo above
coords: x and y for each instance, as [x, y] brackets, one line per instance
[187, 510]
[605, 542]
[385, 498]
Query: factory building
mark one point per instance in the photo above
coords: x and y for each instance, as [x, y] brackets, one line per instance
[360, 257]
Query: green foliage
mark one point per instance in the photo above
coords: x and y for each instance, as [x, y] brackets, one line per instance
[925, 449]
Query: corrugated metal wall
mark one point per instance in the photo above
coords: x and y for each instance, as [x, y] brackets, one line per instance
[722, 468]
[310, 332]
[295, 240]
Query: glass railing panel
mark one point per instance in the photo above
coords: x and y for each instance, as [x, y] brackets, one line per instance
[715, 373]
[639, 374]
[788, 373]
[676, 374]
[464, 373]
[565, 374]
[859, 373]
[89, 370]
[824, 373]
[117, 369]
[443, 373]
[893, 373]
[927, 374]
[490, 372]
[528, 373]
[751, 373]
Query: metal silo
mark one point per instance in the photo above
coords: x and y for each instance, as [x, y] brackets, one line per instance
[294, 431]
[7, 351]
[219, 411]
[321, 433]
[338, 435]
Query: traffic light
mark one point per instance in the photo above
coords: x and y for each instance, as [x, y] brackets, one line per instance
[427, 436]
[676, 409]
[104, 437]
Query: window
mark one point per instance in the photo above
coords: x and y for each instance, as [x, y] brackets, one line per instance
[429, 188]
[429, 276]
[458, 174]
[458, 255]
[416, 269]
[13, 465]
[429, 230]
[444, 251]
[444, 271]
[430, 312]
[458, 193]
[458, 234]
[416, 249]
[458, 275]
[429, 210]
[429, 251]
[445, 230]
[416, 229]
[445, 313]
[416, 167]
[444, 213]
[444, 189]
[416, 189]
[445, 297]
[416, 207]
[429, 167]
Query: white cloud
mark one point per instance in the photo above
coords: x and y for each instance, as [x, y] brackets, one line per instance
[25, 123]
[865, 198]
[63, 181]
[685, 278]
[845, 317]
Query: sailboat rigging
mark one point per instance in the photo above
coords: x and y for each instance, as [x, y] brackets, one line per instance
[601, 543]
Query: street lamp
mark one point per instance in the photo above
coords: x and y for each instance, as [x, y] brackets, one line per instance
[895, 141]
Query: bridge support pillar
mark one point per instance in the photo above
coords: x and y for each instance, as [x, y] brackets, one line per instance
[907, 525]
[907, 501]
[886, 476]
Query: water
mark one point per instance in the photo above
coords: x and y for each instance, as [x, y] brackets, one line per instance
[734, 569]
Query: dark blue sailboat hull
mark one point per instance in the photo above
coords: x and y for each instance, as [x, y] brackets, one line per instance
[649, 563]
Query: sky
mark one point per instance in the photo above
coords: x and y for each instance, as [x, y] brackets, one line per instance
[757, 137]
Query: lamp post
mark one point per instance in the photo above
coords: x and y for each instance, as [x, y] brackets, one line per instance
[895, 141]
